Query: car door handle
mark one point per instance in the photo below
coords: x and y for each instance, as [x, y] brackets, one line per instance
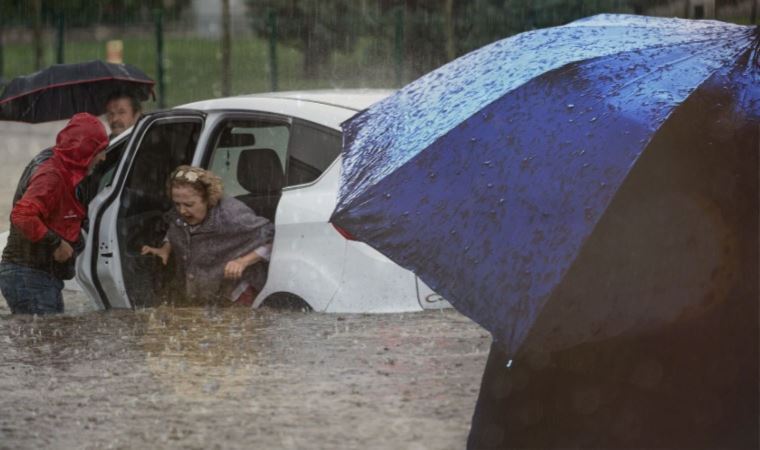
[107, 255]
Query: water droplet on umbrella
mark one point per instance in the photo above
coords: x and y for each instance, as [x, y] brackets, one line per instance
[570, 106]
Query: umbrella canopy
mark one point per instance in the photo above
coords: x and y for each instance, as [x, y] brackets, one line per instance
[571, 183]
[62, 90]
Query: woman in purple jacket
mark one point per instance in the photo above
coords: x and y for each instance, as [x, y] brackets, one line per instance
[219, 247]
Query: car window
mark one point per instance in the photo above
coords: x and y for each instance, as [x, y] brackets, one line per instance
[256, 158]
[249, 142]
[103, 172]
[312, 149]
[165, 145]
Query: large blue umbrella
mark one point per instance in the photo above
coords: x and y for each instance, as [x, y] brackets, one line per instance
[571, 183]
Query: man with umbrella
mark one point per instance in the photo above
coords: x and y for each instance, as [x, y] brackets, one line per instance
[46, 220]
[122, 111]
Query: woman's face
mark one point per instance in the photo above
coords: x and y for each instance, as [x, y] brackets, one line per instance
[190, 204]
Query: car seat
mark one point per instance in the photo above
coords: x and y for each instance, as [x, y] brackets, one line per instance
[260, 172]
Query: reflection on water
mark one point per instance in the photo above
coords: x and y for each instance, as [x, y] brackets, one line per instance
[199, 378]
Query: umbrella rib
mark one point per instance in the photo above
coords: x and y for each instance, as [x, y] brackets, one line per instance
[614, 54]
[570, 65]
[585, 240]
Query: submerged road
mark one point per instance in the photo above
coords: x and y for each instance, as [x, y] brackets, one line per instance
[232, 378]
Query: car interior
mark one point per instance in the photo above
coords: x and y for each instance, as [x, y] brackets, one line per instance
[260, 172]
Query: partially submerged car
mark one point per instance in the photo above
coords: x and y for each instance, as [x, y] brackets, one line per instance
[280, 154]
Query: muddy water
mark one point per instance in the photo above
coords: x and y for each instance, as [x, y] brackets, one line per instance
[201, 378]
[235, 378]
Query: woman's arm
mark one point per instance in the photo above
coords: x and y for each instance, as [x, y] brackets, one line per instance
[162, 252]
[234, 269]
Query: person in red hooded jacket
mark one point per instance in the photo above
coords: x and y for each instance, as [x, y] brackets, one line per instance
[46, 219]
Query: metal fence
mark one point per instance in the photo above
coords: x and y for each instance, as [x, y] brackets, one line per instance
[379, 48]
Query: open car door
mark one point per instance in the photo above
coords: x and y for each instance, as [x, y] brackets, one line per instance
[127, 211]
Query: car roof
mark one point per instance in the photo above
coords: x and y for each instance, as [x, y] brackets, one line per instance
[327, 107]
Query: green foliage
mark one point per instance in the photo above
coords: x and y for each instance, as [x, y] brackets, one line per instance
[315, 27]
[89, 12]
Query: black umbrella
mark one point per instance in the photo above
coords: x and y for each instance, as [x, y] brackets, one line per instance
[62, 90]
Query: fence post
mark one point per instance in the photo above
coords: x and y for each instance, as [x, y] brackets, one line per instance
[753, 12]
[226, 50]
[159, 19]
[59, 24]
[272, 19]
[37, 33]
[399, 46]
[2, 57]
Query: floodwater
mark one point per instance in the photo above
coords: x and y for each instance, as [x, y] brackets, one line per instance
[239, 378]
[229, 378]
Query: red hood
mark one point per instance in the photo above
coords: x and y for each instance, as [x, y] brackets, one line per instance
[78, 143]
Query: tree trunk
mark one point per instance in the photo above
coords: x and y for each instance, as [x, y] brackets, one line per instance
[451, 52]
[314, 49]
[226, 48]
[37, 33]
[313, 58]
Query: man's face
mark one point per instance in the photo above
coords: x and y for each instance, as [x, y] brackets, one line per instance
[120, 115]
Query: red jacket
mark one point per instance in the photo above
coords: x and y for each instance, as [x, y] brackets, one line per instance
[50, 203]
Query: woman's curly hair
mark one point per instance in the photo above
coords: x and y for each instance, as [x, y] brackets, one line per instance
[204, 181]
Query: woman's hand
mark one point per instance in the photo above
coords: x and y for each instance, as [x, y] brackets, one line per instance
[162, 252]
[234, 269]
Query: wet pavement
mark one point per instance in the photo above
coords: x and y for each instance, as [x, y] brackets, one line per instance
[236, 378]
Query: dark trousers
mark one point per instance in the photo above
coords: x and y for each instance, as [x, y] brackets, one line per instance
[30, 291]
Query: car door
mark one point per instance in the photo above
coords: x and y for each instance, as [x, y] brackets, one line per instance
[127, 212]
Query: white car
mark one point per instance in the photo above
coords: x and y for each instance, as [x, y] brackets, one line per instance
[280, 154]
